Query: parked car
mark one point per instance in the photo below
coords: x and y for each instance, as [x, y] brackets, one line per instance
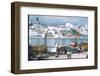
[72, 49]
[84, 46]
[37, 52]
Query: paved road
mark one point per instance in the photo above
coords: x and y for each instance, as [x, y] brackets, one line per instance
[76, 56]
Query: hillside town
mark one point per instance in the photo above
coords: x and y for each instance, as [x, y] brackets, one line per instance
[67, 30]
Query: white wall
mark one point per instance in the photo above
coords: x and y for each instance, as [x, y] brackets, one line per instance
[5, 33]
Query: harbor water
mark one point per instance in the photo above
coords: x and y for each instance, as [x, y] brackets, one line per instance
[54, 42]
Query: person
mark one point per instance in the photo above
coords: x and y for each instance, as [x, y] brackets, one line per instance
[69, 55]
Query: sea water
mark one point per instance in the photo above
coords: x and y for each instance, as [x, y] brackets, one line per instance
[53, 42]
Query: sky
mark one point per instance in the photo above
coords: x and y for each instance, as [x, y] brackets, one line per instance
[59, 20]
